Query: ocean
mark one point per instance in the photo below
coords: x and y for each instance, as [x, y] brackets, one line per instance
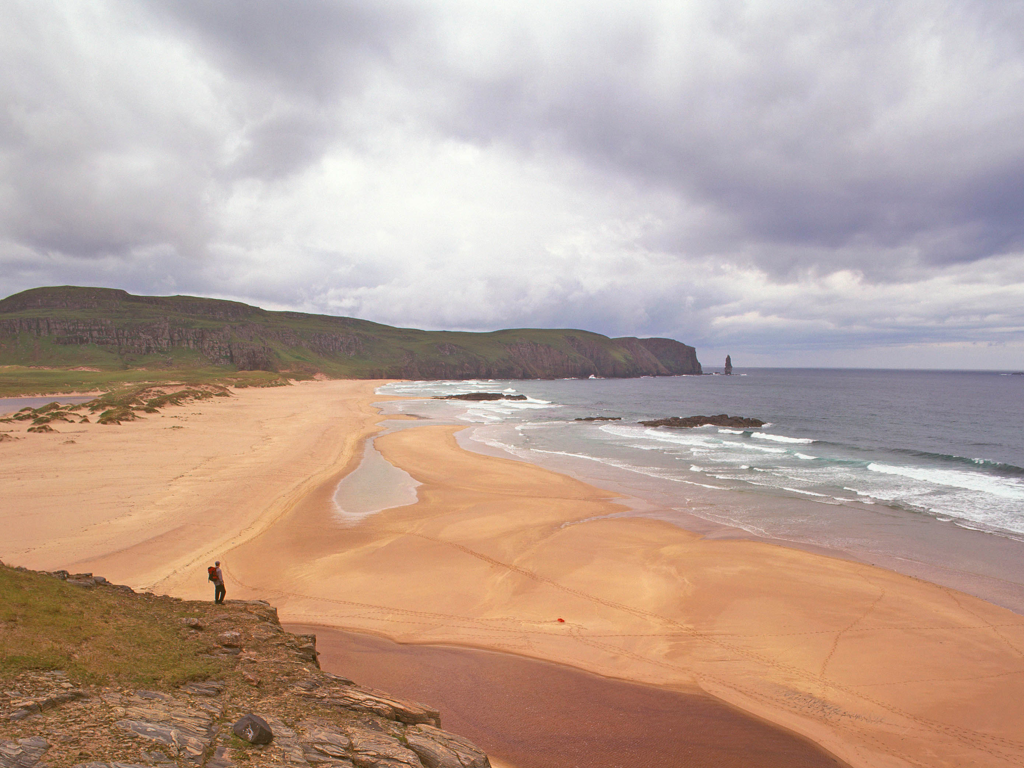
[920, 471]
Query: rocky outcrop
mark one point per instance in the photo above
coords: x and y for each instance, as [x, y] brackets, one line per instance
[315, 719]
[115, 327]
[721, 420]
[728, 366]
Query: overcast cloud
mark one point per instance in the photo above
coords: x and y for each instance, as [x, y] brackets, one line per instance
[799, 183]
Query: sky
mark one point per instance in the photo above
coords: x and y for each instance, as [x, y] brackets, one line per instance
[790, 182]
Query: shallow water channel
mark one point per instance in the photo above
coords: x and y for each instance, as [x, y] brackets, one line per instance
[375, 485]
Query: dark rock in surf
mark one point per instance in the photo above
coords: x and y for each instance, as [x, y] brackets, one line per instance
[475, 396]
[721, 420]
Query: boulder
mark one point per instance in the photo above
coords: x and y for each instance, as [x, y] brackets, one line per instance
[254, 729]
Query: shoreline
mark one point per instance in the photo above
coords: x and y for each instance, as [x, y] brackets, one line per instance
[985, 564]
[878, 668]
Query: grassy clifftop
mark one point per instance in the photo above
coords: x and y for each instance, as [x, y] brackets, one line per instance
[113, 331]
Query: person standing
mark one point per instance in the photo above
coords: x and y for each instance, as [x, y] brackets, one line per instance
[217, 577]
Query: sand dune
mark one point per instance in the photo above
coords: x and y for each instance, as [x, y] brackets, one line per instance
[881, 669]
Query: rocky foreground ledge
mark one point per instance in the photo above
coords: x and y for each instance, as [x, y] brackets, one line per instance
[53, 719]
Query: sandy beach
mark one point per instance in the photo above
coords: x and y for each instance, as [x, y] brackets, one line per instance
[880, 669]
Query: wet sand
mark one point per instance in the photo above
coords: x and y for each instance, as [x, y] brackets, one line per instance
[533, 714]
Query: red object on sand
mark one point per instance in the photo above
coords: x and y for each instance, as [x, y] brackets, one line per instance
[561, 621]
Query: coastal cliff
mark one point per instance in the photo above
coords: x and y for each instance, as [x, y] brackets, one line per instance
[108, 328]
[97, 676]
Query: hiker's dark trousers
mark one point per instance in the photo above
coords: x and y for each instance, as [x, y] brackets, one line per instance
[218, 593]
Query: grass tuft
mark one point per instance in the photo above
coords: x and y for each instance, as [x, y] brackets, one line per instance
[98, 636]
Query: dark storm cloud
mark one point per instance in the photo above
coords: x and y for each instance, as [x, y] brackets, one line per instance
[294, 65]
[93, 162]
[319, 48]
[824, 125]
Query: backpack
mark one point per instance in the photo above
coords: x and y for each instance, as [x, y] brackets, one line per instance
[213, 573]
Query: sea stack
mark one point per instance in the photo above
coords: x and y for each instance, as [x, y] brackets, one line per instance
[728, 365]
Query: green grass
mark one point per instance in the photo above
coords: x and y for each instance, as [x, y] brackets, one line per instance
[98, 636]
[18, 380]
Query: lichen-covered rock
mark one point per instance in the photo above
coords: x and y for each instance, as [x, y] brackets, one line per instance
[372, 748]
[347, 695]
[23, 753]
[440, 749]
[320, 742]
[187, 729]
[208, 688]
[29, 707]
[230, 639]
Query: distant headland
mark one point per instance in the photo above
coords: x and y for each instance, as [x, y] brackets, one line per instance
[106, 329]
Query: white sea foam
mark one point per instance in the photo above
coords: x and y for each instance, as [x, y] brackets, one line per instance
[725, 431]
[805, 457]
[782, 438]
[649, 471]
[1006, 488]
[480, 417]
[805, 493]
[688, 439]
[654, 472]
[765, 449]
[498, 445]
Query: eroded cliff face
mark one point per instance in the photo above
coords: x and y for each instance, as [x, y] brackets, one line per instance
[247, 346]
[228, 333]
